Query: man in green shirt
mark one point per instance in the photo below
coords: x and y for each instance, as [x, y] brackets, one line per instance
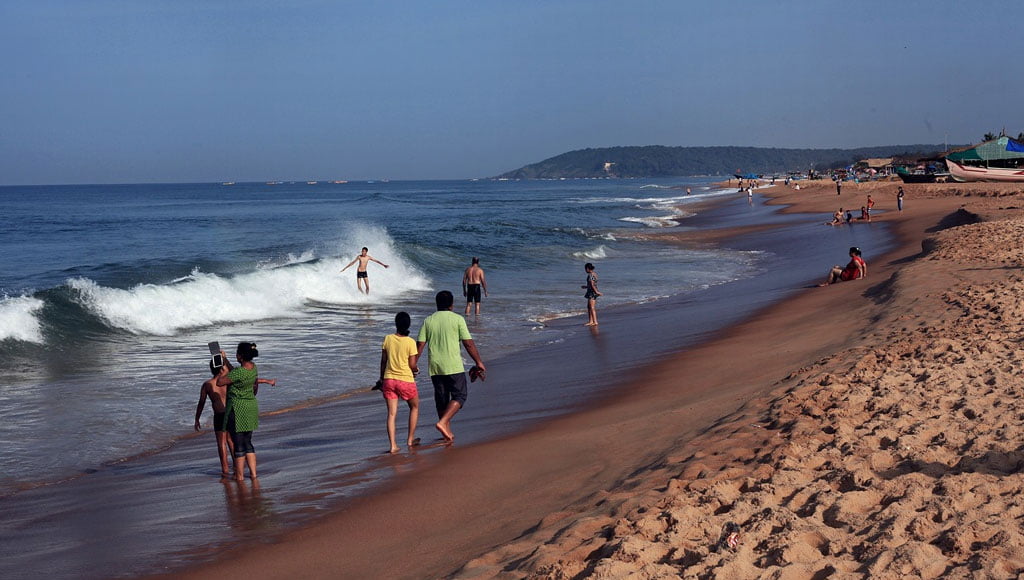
[441, 333]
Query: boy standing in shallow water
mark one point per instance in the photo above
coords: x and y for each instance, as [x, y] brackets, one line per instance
[217, 395]
[398, 378]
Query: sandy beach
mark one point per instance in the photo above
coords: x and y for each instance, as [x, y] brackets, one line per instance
[868, 429]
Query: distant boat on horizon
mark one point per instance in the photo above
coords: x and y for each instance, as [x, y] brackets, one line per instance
[228, 183]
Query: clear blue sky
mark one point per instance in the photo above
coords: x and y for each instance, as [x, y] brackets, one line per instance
[107, 91]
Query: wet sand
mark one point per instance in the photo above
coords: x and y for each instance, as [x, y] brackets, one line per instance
[869, 428]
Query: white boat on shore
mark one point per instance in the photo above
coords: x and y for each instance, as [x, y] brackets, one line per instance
[970, 173]
[999, 159]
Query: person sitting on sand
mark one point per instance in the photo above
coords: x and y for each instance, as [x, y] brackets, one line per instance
[865, 215]
[855, 270]
[398, 378]
[441, 333]
[837, 218]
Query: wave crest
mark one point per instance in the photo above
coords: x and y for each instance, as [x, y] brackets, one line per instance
[281, 290]
[18, 319]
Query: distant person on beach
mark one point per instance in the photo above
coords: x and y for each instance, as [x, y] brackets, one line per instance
[871, 203]
[849, 216]
[473, 280]
[865, 215]
[398, 370]
[899, 199]
[855, 270]
[839, 186]
[241, 413]
[441, 334]
[361, 276]
[218, 397]
[687, 191]
[591, 294]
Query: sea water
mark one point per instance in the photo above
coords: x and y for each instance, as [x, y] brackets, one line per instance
[110, 293]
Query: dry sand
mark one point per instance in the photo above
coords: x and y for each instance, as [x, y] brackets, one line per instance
[872, 428]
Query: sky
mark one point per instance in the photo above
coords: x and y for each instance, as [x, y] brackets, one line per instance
[139, 91]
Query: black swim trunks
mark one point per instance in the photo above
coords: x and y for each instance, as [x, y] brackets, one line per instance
[472, 293]
[361, 274]
[218, 421]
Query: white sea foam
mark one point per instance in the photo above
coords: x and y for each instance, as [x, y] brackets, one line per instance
[18, 319]
[597, 253]
[667, 221]
[204, 299]
[307, 256]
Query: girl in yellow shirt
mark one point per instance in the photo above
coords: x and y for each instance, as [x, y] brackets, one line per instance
[398, 370]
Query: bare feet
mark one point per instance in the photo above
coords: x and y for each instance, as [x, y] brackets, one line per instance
[415, 442]
[445, 432]
[393, 450]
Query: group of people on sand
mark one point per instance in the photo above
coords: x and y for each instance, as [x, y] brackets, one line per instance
[232, 390]
[841, 217]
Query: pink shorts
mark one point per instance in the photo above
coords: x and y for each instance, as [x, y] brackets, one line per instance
[396, 389]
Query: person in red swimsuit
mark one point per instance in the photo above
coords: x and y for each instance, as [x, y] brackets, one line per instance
[856, 269]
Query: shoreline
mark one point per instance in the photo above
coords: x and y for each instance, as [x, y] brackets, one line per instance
[588, 459]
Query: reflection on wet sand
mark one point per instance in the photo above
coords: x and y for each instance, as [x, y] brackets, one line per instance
[247, 509]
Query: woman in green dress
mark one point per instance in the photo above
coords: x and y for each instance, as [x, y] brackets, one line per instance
[241, 413]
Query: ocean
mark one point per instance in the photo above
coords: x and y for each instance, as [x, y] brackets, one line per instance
[109, 295]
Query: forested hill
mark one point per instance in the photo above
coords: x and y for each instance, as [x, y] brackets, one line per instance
[660, 161]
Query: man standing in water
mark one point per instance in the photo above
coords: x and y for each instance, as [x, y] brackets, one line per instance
[473, 280]
[441, 333]
[361, 275]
